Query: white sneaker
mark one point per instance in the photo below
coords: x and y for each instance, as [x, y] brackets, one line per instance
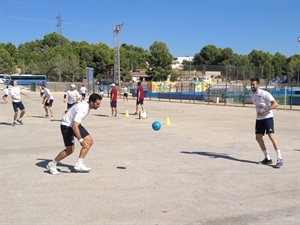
[80, 167]
[51, 118]
[52, 168]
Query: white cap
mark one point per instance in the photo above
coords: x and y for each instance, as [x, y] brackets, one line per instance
[112, 85]
[73, 85]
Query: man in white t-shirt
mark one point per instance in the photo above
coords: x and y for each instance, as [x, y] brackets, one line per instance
[83, 91]
[15, 93]
[71, 127]
[72, 96]
[264, 103]
[48, 100]
[6, 93]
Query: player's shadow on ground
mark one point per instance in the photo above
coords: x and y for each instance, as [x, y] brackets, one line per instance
[44, 162]
[5, 123]
[37, 117]
[102, 115]
[42, 117]
[219, 155]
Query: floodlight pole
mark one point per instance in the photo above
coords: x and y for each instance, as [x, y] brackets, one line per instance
[298, 66]
[117, 70]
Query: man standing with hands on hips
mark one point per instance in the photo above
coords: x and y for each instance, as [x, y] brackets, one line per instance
[264, 103]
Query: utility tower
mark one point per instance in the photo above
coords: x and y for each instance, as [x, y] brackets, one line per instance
[117, 72]
[59, 26]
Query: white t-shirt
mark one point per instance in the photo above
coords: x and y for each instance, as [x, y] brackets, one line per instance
[76, 113]
[48, 94]
[262, 100]
[83, 90]
[125, 90]
[72, 96]
[16, 92]
[6, 91]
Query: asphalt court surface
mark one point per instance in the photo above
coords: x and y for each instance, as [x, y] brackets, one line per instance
[200, 169]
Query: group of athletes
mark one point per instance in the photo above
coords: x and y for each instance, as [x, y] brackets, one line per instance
[78, 109]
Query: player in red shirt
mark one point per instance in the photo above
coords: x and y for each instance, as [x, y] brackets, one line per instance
[140, 98]
[113, 100]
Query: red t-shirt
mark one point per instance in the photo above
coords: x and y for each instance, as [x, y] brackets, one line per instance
[113, 94]
[140, 91]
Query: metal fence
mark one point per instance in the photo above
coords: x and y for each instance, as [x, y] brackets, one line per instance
[229, 85]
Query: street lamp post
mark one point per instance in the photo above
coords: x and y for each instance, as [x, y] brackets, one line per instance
[117, 70]
[298, 65]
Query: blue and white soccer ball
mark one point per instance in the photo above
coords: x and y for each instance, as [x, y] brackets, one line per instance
[156, 125]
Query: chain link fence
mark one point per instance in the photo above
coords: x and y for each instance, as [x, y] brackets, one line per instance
[209, 85]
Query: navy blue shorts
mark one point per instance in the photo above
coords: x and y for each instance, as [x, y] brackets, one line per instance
[70, 105]
[113, 104]
[264, 126]
[140, 102]
[68, 134]
[50, 103]
[17, 105]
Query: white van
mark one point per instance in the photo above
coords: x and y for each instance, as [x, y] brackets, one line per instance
[3, 78]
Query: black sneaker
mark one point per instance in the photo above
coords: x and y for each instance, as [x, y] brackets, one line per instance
[279, 163]
[20, 121]
[266, 162]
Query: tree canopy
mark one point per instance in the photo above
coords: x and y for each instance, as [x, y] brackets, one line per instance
[64, 60]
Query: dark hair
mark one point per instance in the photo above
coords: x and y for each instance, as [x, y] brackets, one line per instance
[12, 82]
[139, 83]
[94, 97]
[255, 79]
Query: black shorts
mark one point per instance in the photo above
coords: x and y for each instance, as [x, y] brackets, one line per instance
[83, 95]
[68, 134]
[17, 105]
[140, 102]
[113, 104]
[264, 126]
[70, 105]
[5, 96]
[50, 103]
[125, 95]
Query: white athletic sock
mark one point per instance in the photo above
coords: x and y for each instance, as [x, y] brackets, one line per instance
[278, 154]
[54, 162]
[266, 153]
[80, 161]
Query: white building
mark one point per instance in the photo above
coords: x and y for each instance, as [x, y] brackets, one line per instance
[177, 64]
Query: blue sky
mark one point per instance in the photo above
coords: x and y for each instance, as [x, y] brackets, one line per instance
[186, 26]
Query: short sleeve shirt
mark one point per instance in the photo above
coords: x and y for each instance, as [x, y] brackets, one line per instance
[262, 99]
[76, 113]
[48, 94]
[114, 94]
[16, 92]
[72, 96]
[140, 91]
